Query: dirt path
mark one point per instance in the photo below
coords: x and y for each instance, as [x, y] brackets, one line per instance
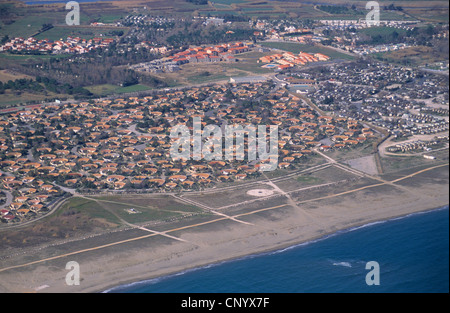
[218, 219]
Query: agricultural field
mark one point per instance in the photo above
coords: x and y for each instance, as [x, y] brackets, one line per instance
[394, 164]
[6, 75]
[9, 99]
[382, 31]
[413, 56]
[203, 73]
[298, 47]
[27, 21]
[62, 32]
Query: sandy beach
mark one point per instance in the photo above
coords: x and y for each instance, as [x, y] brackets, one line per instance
[134, 255]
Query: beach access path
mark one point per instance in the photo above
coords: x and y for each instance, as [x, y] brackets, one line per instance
[199, 246]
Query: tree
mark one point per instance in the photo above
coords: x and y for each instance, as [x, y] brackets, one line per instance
[130, 81]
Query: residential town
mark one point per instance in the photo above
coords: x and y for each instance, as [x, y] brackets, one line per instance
[123, 144]
[73, 45]
[391, 97]
[289, 59]
[212, 54]
[419, 145]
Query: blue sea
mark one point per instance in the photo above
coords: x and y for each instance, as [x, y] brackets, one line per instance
[412, 253]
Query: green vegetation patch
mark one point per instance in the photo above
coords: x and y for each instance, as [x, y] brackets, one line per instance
[394, 164]
[143, 209]
[298, 47]
[62, 32]
[87, 207]
[309, 180]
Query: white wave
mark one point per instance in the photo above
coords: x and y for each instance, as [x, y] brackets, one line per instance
[345, 264]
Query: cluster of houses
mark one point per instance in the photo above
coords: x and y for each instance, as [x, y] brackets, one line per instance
[163, 65]
[140, 20]
[435, 111]
[362, 23]
[366, 49]
[305, 39]
[287, 31]
[75, 45]
[219, 53]
[152, 48]
[289, 59]
[414, 145]
[124, 144]
[385, 95]
[32, 196]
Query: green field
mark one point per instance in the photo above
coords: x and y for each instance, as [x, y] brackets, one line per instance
[205, 77]
[138, 209]
[87, 207]
[23, 27]
[62, 32]
[110, 18]
[298, 47]
[382, 30]
[248, 63]
[134, 88]
[7, 57]
[11, 99]
[307, 179]
[397, 163]
[229, 2]
[257, 9]
[220, 71]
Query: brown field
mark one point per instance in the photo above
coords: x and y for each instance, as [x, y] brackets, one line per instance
[415, 55]
[430, 10]
[6, 75]
[218, 72]
[12, 99]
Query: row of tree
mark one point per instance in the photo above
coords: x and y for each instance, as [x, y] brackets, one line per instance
[198, 2]
[103, 66]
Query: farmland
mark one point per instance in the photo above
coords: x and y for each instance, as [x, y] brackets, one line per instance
[298, 47]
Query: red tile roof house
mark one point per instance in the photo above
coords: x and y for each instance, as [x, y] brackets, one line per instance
[8, 217]
[3, 212]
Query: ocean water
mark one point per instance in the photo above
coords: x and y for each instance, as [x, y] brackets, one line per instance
[412, 253]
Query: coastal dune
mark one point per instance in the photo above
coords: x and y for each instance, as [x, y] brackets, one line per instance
[266, 227]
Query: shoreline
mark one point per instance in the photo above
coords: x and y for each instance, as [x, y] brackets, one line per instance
[280, 249]
[130, 257]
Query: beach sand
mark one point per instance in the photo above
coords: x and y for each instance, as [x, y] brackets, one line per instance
[131, 256]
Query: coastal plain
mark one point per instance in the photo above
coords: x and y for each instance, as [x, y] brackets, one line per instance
[282, 219]
[131, 235]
